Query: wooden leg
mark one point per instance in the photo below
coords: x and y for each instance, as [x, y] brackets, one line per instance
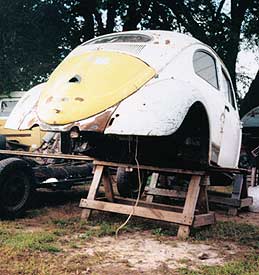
[203, 202]
[189, 206]
[86, 213]
[183, 232]
[253, 176]
[244, 189]
[153, 183]
[108, 186]
[236, 193]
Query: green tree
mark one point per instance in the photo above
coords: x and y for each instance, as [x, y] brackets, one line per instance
[34, 36]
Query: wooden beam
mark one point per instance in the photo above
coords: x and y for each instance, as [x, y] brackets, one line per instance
[150, 168]
[204, 219]
[214, 169]
[167, 207]
[225, 201]
[86, 213]
[246, 202]
[40, 155]
[153, 183]
[190, 205]
[166, 193]
[155, 214]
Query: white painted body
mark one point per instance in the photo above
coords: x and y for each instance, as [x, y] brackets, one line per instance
[159, 107]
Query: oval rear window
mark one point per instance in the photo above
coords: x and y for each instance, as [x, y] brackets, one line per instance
[121, 38]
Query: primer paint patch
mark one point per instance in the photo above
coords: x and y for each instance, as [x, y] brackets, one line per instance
[102, 61]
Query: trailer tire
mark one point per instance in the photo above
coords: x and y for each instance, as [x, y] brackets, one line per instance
[16, 187]
[2, 142]
[127, 183]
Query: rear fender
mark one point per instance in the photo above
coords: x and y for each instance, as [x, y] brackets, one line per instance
[157, 109]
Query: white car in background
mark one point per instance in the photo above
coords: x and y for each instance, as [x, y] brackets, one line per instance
[157, 96]
[16, 139]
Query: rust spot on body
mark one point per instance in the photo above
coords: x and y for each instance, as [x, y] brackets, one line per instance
[32, 122]
[98, 124]
[64, 99]
[167, 42]
[80, 99]
[57, 111]
[49, 99]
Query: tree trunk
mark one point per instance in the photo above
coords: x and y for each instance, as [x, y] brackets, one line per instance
[111, 14]
[87, 9]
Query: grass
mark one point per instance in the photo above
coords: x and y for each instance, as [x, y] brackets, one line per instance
[69, 225]
[33, 241]
[244, 234]
[103, 229]
[249, 265]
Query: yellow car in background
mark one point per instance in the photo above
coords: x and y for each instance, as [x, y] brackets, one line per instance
[16, 139]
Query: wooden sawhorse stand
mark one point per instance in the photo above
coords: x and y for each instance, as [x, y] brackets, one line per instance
[236, 200]
[194, 213]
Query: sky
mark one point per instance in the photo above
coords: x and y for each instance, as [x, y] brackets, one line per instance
[248, 65]
[248, 60]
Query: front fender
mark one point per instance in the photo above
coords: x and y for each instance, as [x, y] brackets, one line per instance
[23, 116]
[157, 109]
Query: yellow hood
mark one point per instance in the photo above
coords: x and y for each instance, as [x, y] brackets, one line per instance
[87, 84]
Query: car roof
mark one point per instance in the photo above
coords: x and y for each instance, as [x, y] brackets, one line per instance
[158, 37]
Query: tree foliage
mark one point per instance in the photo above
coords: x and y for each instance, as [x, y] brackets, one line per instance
[35, 35]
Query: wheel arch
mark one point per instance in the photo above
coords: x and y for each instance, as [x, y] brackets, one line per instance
[198, 113]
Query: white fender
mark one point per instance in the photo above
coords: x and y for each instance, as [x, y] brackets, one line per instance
[23, 116]
[157, 109]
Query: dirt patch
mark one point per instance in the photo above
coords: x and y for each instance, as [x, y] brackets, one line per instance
[143, 252]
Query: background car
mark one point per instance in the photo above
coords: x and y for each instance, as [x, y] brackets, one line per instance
[16, 139]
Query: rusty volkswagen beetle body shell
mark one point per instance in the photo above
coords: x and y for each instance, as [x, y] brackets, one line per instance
[163, 92]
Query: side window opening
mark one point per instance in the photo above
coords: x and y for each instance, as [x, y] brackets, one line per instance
[227, 89]
[205, 66]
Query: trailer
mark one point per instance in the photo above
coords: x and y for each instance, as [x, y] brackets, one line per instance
[21, 173]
